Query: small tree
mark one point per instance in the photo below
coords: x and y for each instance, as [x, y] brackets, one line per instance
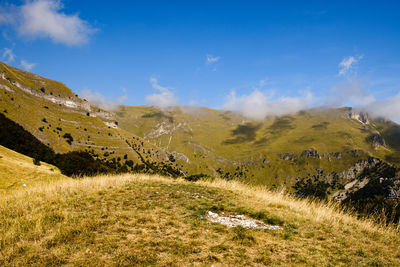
[36, 161]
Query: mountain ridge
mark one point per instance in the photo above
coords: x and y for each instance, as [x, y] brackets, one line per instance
[275, 151]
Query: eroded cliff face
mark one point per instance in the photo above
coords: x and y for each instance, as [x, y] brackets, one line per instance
[359, 116]
[373, 173]
[73, 104]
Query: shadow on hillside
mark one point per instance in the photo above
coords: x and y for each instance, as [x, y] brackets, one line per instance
[321, 126]
[243, 133]
[392, 136]
[281, 124]
[158, 115]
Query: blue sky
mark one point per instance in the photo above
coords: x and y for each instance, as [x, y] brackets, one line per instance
[267, 55]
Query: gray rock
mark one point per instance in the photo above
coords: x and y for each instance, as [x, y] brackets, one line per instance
[310, 153]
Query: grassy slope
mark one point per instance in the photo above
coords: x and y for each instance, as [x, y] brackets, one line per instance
[216, 139]
[149, 220]
[88, 132]
[29, 111]
[17, 169]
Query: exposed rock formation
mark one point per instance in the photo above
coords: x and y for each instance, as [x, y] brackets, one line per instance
[310, 153]
[360, 116]
[376, 140]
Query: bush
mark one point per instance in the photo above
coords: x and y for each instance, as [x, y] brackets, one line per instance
[79, 163]
[36, 162]
[311, 187]
[196, 177]
[68, 138]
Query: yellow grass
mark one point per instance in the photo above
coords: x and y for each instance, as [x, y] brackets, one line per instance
[152, 220]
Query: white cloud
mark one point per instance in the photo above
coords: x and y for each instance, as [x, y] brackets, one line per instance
[44, 18]
[100, 101]
[211, 59]
[351, 92]
[257, 105]
[387, 108]
[347, 63]
[163, 99]
[8, 55]
[27, 66]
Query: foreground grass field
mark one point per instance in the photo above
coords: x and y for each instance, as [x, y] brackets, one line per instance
[149, 220]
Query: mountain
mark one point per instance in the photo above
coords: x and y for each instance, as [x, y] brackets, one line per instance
[335, 145]
[60, 119]
[274, 151]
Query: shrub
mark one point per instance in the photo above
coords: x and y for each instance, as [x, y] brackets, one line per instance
[79, 163]
[196, 177]
[68, 138]
[36, 161]
[313, 186]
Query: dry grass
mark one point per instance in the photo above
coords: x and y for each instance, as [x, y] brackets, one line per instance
[17, 170]
[316, 211]
[150, 220]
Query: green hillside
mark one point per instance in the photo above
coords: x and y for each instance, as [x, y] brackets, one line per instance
[225, 144]
[60, 119]
[200, 141]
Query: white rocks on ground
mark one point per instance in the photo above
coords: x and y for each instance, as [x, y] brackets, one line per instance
[239, 220]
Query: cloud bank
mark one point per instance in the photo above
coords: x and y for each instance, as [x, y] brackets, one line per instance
[387, 108]
[257, 105]
[164, 99]
[44, 19]
[100, 101]
[350, 92]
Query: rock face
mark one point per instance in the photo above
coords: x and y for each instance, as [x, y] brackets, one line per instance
[376, 140]
[266, 161]
[358, 168]
[394, 192]
[310, 153]
[289, 156]
[71, 104]
[360, 116]
[371, 176]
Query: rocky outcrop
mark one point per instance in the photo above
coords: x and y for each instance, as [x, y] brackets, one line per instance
[111, 124]
[360, 116]
[358, 168]
[367, 174]
[5, 87]
[163, 128]
[67, 102]
[179, 156]
[376, 141]
[310, 153]
[289, 156]
[394, 191]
